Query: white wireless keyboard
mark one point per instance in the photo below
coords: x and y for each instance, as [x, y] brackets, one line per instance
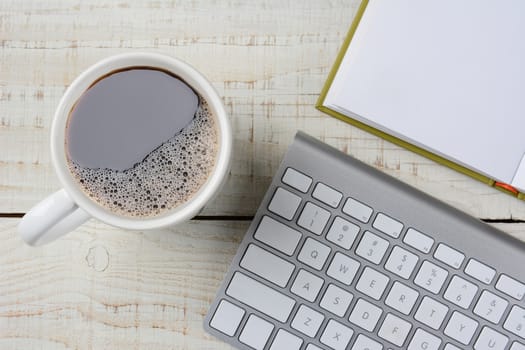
[341, 256]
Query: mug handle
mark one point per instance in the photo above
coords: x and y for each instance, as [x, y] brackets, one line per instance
[53, 217]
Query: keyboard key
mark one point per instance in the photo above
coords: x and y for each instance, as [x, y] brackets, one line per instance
[336, 336]
[489, 339]
[394, 330]
[227, 318]
[256, 332]
[451, 347]
[277, 235]
[418, 240]
[327, 195]
[267, 265]
[365, 315]
[424, 340]
[511, 287]
[313, 218]
[401, 262]
[257, 295]
[343, 268]
[461, 328]
[357, 210]
[307, 321]
[431, 277]
[401, 298]
[312, 347]
[372, 247]
[343, 233]
[460, 292]
[517, 346]
[286, 341]
[372, 283]
[297, 180]
[387, 225]
[431, 313]
[307, 285]
[449, 256]
[284, 203]
[515, 322]
[491, 307]
[480, 271]
[314, 254]
[362, 342]
[336, 300]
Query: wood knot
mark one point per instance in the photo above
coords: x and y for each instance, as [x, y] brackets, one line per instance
[98, 258]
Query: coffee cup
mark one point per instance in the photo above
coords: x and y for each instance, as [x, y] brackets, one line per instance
[133, 173]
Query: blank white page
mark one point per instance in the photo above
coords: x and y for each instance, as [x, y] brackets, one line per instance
[446, 75]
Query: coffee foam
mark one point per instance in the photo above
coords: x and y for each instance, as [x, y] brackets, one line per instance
[167, 177]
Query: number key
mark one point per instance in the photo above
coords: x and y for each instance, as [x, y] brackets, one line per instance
[460, 292]
[372, 247]
[490, 307]
[343, 233]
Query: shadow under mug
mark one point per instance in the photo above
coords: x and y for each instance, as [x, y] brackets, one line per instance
[70, 207]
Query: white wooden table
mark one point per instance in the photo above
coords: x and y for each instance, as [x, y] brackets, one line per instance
[106, 288]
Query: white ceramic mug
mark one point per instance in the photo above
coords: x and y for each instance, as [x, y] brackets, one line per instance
[68, 208]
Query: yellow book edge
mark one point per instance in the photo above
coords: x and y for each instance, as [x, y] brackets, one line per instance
[320, 106]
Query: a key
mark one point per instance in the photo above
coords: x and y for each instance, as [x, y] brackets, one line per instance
[362, 342]
[307, 285]
[401, 298]
[401, 262]
[517, 346]
[327, 195]
[431, 313]
[297, 180]
[256, 332]
[394, 330]
[257, 295]
[343, 268]
[372, 247]
[357, 210]
[449, 256]
[307, 321]
[431, 277]
[460, 292]
[461, 328]
[515, 321]
[267, 265]
[418, 240]
[372, 283]
[314, 253]
[511, 287]
[313, 218]
[284, 203]
[342, 232]
[424, 340]
[491, 307]
[489, 339]
[286, 341]
[480, 271]
[336, 336]
[365, 315]
[227, 318]
[336, 300]
[277, 235]
[387, 225]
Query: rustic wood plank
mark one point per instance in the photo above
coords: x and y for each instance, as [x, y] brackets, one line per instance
[105, 288]
[268, 59]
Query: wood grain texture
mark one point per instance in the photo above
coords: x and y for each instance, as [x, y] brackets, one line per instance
[104, 288]
[268, 60]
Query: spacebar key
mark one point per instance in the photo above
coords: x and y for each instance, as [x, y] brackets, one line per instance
[260, 297]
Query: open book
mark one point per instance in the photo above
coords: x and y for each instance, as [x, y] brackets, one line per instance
[444, 78]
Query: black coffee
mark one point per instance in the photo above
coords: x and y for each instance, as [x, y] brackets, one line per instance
[141, 142]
